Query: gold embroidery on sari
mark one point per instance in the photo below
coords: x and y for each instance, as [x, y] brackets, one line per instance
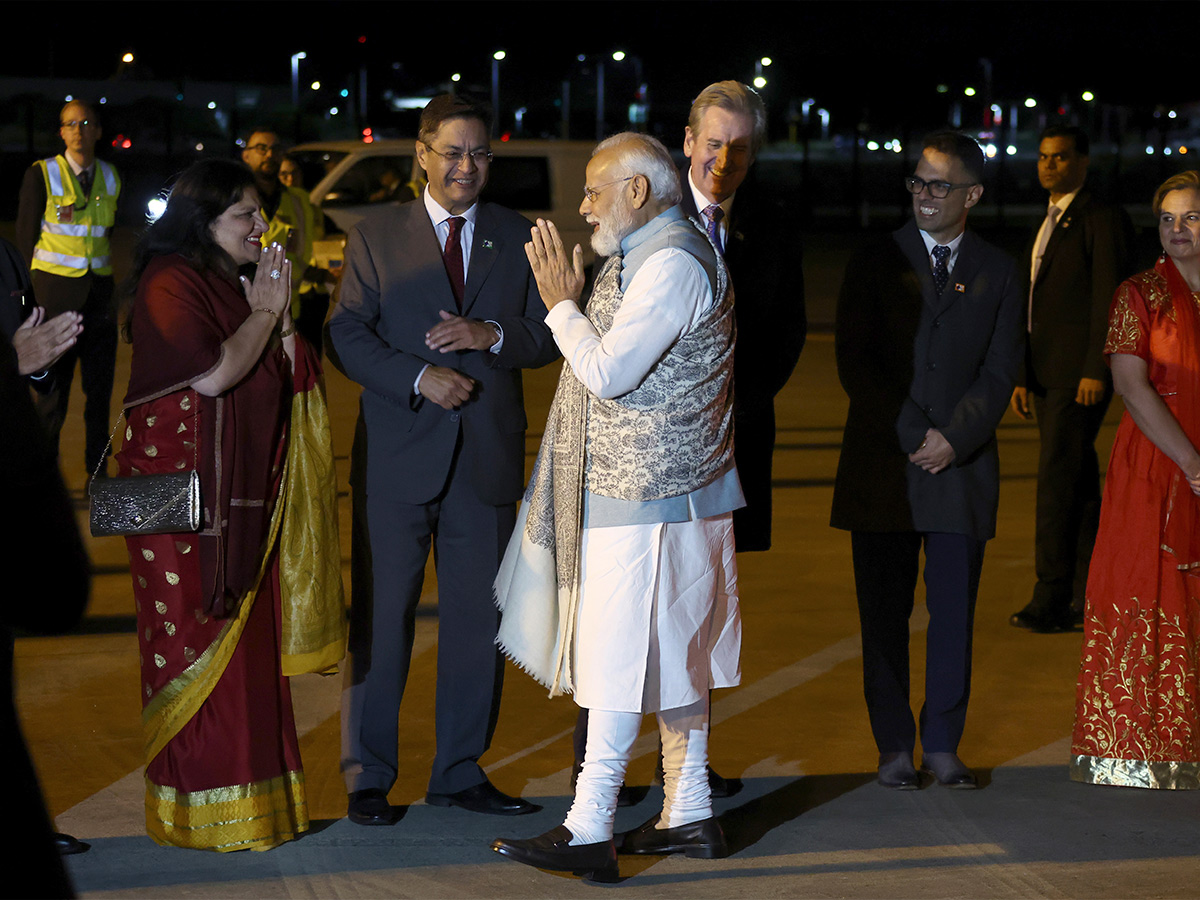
[1135, 773]
[1124, 327]
[1135, 697]
[255, 816]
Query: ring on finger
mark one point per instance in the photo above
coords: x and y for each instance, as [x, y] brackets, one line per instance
[275, 273]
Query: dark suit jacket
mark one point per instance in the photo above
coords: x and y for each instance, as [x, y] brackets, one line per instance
[18, 292]
[46, 549]
[1089, 253]
[911, 360]
[393, 287]
[764, 255]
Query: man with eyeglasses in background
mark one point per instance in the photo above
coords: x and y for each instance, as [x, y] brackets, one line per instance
[437, 314]
[66, 212]
[294, 223]
[929, 346]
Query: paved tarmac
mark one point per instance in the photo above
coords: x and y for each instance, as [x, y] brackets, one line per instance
[810, 822]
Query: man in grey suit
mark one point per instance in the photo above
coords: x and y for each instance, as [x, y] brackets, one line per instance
[438, 313]
[1076, 258]
[928, 347]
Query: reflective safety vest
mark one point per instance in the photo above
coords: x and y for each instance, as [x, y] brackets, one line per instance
[75, 228]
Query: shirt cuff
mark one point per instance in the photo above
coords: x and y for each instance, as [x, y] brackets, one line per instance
[496, 347]
[417, 382]
[559, 313]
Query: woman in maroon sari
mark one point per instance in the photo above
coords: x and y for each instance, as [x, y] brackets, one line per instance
[1137, 715]
[219, 381]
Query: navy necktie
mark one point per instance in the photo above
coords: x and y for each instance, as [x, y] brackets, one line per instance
[712, 216]
[941, 274]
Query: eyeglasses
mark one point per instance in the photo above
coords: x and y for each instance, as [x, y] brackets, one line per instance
[593, 192]
[455, 158]
[266, 148]
[77, 123]
[938, 190]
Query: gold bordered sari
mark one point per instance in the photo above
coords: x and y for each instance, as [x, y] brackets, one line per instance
[221, 623]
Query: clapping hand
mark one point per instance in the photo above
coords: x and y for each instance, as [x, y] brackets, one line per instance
[39, 342]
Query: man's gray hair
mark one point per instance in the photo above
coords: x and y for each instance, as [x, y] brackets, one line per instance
[640, 154]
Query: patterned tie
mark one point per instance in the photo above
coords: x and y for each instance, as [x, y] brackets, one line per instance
[713, 214]
[452, 259]
[941, 274]
[85, 183]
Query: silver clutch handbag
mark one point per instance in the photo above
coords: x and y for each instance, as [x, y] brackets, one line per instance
[144, 504]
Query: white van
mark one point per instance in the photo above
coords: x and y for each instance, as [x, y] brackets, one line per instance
[536, 178]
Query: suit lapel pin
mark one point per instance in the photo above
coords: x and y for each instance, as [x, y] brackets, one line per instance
[487, 245]
[960, 287]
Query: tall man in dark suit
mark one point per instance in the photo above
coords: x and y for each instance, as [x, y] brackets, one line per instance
[1075, 260]
[437, 314]
[928, 349]
[726, 128]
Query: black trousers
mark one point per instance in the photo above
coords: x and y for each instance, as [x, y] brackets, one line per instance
[95, 351]
[1068, 499]
[468, 539]
[885, 578]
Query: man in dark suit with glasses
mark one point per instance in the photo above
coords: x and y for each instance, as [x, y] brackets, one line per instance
[928, 348]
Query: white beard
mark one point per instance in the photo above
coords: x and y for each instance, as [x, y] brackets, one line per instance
[619, 224]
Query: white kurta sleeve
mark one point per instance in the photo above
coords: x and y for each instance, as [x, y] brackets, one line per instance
[666, 296]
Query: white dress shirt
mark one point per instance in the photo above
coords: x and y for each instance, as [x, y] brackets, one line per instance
[441, 227]
[702, 202]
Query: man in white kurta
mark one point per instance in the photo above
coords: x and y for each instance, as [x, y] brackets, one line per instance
[620, 583]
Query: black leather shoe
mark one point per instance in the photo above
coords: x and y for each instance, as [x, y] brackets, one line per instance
[1040, 623]
[484, 798]
[896, 771]
[370, 807]
[699, 840]
[67, 845]
[552, 850]
[949, 770]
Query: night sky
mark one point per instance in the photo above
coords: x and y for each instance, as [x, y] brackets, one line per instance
[882, 57]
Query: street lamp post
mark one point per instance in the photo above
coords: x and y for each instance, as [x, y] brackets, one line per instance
[296, 57]
[496, 57]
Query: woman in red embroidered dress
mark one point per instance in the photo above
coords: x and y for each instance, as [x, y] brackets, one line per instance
[1137, 717]
[216, 366]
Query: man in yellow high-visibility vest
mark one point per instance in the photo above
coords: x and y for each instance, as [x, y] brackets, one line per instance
[295, 223]
[66, 213]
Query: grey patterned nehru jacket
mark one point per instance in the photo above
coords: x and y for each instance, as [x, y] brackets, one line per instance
[673, 433]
